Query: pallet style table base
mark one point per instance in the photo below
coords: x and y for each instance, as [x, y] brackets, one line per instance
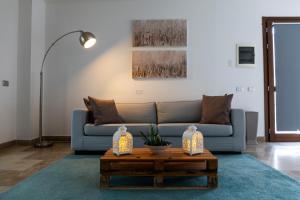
[169, 163]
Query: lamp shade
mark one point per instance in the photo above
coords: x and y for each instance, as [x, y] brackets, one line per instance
[87, 39]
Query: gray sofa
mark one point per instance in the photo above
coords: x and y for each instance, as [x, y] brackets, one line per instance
[170, 118]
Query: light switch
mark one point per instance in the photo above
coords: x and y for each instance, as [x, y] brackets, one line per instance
[5, 83]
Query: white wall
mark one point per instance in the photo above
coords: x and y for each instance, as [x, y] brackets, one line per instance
[23, 123]
[21, 51]
[214, 28]
[31, 50]
[8, 68]
[37, 53]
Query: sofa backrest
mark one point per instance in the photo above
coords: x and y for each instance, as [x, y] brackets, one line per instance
[137, 112]
[179, 111]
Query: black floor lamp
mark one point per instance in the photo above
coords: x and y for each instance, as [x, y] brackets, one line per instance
[86, 40]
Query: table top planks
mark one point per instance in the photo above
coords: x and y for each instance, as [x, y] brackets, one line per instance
[171, 154]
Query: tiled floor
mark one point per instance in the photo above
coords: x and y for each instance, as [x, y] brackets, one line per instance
[284, 157]
[18, 162]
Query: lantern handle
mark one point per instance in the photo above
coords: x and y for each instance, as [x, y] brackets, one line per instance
[123, 129]
[192, 128]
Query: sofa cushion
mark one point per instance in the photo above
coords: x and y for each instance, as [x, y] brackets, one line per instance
[137, 112]
[208, 130]
[110, 129]
[88, 105]
[216, 109]
[179, 112]
[104, 111]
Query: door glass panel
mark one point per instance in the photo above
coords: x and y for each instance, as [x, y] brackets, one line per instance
[286, 38]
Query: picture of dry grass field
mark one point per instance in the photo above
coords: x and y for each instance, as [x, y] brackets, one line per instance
[159, 64]
[159, 33]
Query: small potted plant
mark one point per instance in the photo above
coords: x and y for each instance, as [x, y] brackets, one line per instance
[154, 141]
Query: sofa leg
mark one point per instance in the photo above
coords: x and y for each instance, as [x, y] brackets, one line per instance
[76, 152]
[227, 152]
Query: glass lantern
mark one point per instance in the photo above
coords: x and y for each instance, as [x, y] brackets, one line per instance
[122, 141]
[192, 141]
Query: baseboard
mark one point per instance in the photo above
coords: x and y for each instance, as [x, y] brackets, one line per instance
[261, 139]
[26, 142]
[57, 139]
[64, 139]
[7, 144]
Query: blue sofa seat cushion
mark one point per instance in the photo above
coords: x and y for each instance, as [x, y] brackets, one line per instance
[110, 129]
[208, 130]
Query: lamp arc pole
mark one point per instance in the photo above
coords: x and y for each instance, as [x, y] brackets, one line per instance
[83, 39]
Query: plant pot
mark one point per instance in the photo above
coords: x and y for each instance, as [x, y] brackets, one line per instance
[158, 149]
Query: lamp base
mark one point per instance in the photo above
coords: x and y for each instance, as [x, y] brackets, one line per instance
[43, 144]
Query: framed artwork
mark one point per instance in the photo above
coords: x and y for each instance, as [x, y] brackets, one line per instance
[245, 55]
[159, 64]
[159, 33]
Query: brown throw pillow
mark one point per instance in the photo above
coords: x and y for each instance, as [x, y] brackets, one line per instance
[104, 111]
[90, 117]
[216, 109]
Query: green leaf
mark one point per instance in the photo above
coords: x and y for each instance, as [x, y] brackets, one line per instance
[153, 138]
[144, 137]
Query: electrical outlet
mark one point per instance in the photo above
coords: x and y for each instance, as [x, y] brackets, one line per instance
[251, 89]
[229, 63]
[239, 89]
[5, 83]
[139, 92]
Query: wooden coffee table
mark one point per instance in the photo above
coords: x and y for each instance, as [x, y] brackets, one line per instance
[171, 163]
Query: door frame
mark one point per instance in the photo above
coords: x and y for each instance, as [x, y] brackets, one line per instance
[269, 88]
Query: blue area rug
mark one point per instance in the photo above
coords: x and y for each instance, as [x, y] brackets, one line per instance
[241, 177]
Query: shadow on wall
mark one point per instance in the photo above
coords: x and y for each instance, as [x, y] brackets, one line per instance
[104, 74]
[77, 73]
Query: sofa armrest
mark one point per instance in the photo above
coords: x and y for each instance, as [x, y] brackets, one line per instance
[79, 119]
[238, 121]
